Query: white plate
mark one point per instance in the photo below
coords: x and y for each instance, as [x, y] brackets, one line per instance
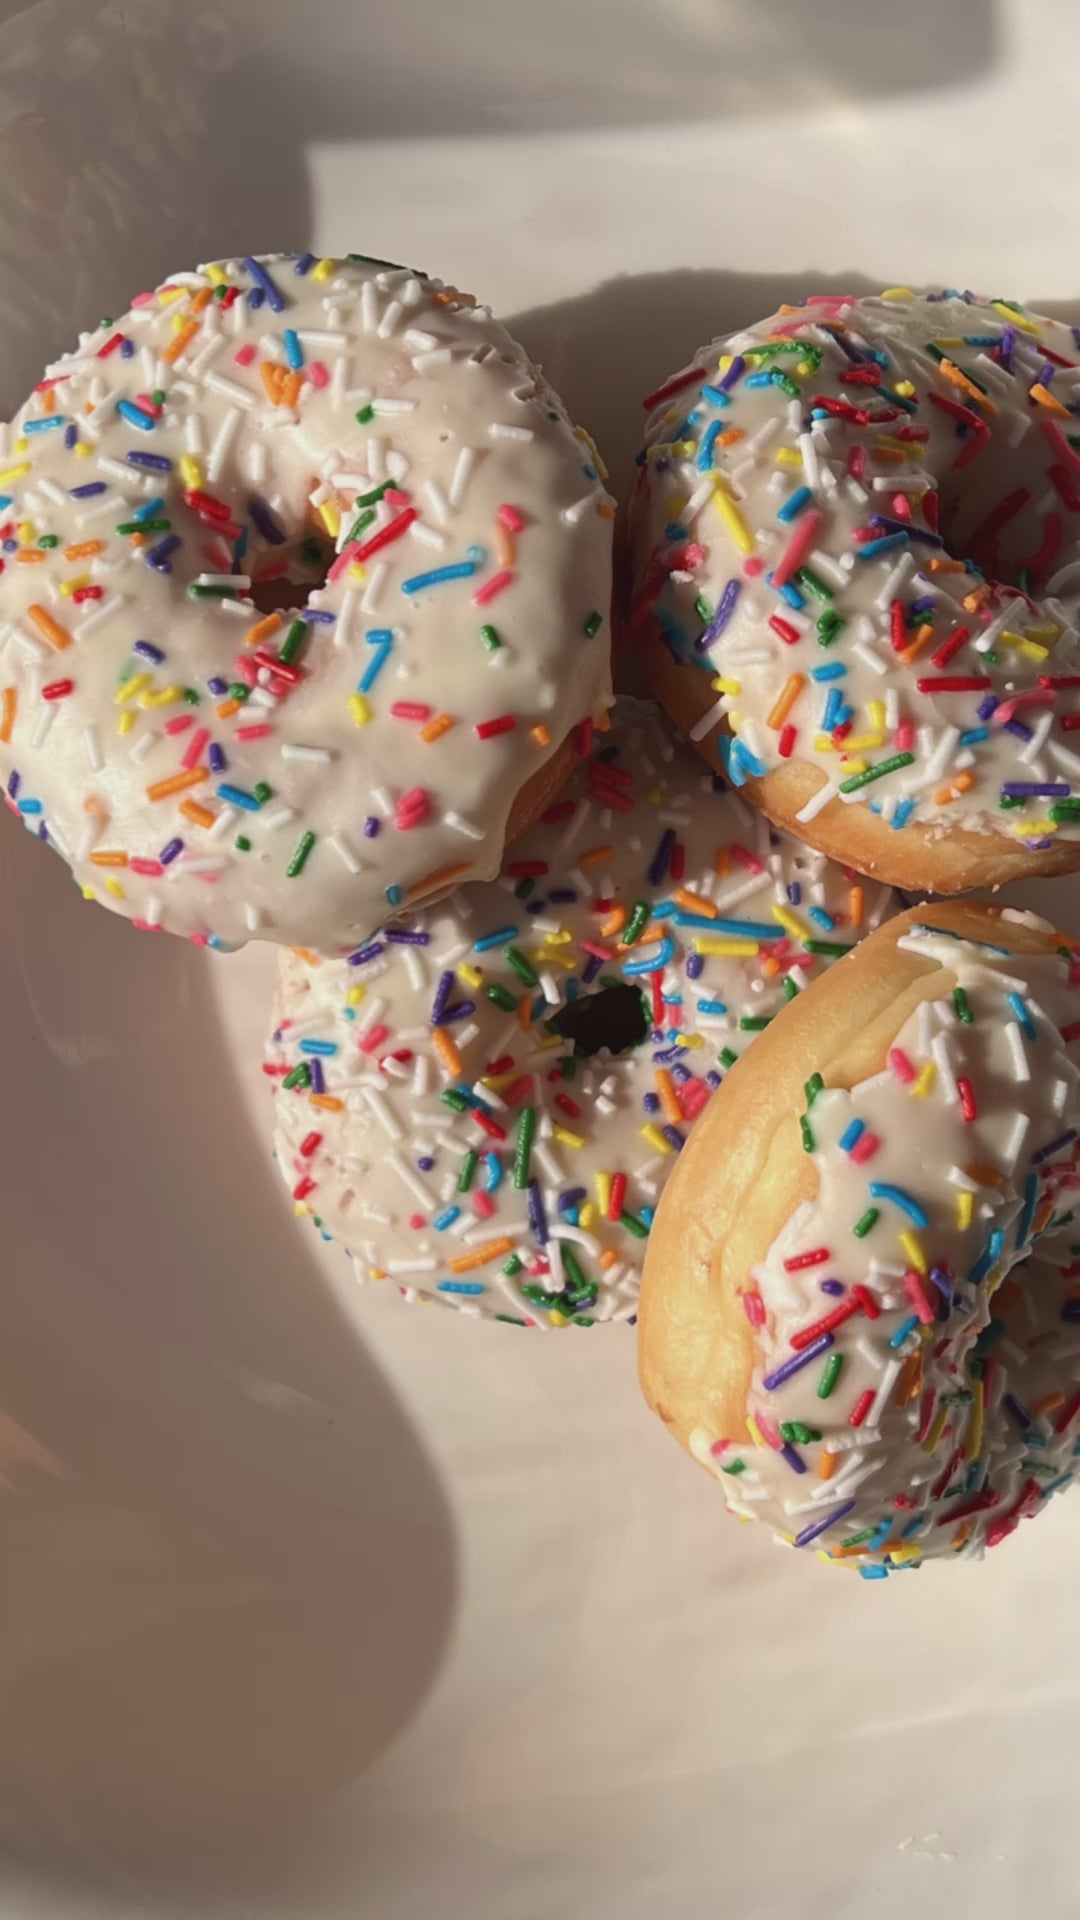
[311, 1604]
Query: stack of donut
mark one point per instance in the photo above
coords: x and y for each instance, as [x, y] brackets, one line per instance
[305, 637]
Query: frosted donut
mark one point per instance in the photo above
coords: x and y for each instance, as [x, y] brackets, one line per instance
[484, 1103]
[843, 1326]
[836, 512]
[222, 771]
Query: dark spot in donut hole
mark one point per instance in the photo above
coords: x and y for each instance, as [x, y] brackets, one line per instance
[608, 1021]
[307, 567]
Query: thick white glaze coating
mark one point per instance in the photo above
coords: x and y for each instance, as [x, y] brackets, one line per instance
[828, 507]
[716, 914]
[240, 410]
[917, 1390]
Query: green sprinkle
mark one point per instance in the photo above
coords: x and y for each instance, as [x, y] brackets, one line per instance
[524, 887]
[869, 1219]
[300, 857]
[892, 765]
[813, 1087]
[797, 1433]
[1065, 810]
[593, 624]
[726, 1057]
[373, 497]
[702, 609]
[829, 628]
[293, 642]
[523, 1140]
[633, 1225]
[568, 1066]
[1009, 801]
[502, 998]
[754, 1023]
[790, 990]
[580, 1284]
[262, 792]
[522, 968]
[736, 1466]
[360, 524]
[365, 416]
[813, 585]
[787, 385]
[807, 1134]
[212, 593]
[511, 1268]
[468, 1169]
[49, 540]
[963, 1006]
[311, 552]
[242, 843]
[490, 639]
[450, 1097]
[239, 692]
[856, 1539]
[158, 397]
[192, 697]
[510, 1319]
[637, 924]
[143, 526]
[836, 949]
[830, 1374]
[299, 1077]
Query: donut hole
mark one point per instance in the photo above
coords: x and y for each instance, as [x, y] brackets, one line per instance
[608, 1021]
[293, 579]
[1000, 515]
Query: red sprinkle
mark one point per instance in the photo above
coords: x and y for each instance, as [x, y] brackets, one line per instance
[814, 1258]
[617, 1196]
[309, 1143]
[58, 689]
[861, 1408]
[487, 729]
[967, 1098]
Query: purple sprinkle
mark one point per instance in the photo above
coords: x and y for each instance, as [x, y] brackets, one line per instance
[1046, 1153]
[827, 1520]
[304, 264]
[794, 893]
[318, 1080]
[793, 1457]
[158, 557]
[651, 1103]
[169, 852]
[85, 492]
[562, 896]
[216, 758]
[149, 651]
[425, 1163]
[371, 827]
[14, 784]
[537, 1216]
[734, 372]
[262, 279]
[1018, 728]
[407, 937]
[987, 706]
[721, 617]
[674, 1138]
[1005, 349]
[1017, 1411]
[714, 1079]
[156, 462]
[217, 686]
[591, 969]
[442, 997]
[71, 435]
[127, 348]
[1037, 846]
[1027, 789]
[695, 966]
[662, 857]
[681, 1075]
[460, 1012]
[317, 616]
[833, 1286]
[1046, 374]
[798, 1360]
[255, 298]
[364, 954]
[270, 527]
[570, 1198]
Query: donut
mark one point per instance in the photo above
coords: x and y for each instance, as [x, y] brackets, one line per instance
[483, 1103]
[861, 1305]
[855, 550]
[304, 606]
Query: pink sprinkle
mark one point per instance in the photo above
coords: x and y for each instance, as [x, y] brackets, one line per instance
[917, 1294]
[412, 809]
[800, 544]
[247, 670]
[193, 753]
[753, 566]
[374, 1038]
[754, 1307]
[901, 1065]
[768, 1430]
[746, 859]
[901, 506]
[856, 462]
[180, 724]
[904, 735]
[491, 588]
[344, 561]
[410, 710]
[317, 374]
[865, 1148]
[511, 517]
[253, 733]
[719, 1448]
[244, 355]
[598, 952]
[693, 1095]
[417, 1222]
[151, 868]
[149, 926]
[483, 1204]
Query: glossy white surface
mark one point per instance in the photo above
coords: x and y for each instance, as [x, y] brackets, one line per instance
[310, 1604]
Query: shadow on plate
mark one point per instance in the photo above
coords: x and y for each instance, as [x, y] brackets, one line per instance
[229, 1568]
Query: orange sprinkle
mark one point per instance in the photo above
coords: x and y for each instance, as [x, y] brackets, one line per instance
[889, 456]
[923, 636]
[435, 729]
[262, 629]
[770, 967]
[694, 903]
[227, 709]
[944, 566]
[540, 735]
[605, 512]
[199, 816]
[446, 1051]
[201, 299]
[785, 700]
[290, 388]
[615, 922]
[855, 906]
[951, 372]
[30, 556]
[609, 1258]
[440, 875]
[181, 340]
[972, 601]
[722, 862]
[49, 405]
[668, 1101]
[909, 1383]
[272, 376]
[505, 545]
[1047, 1404]
[480, 1256]
[596, 856]
[1048, 400]
[177, 783]
[328, 1101]
[986, 1176]
[305, 954]
[49, 629]
[826, 1466]
[960, 785]
[9, 703]
[108, 859]
[83, 550]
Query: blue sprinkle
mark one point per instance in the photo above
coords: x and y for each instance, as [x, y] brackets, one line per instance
[459, 1286]
[835, 670]
[493, 1172]
[822, 918]
[716, 396]
[446, 1218]
[265, 285]
[238, 798]
[294, 352]
[973, 735]
[903, 814]
[886, 544]
[902, 1331]
[792, 508]
[987, 1259]
[150, 508]
[419, 581]
[1031, 1192]
[324, 1048]
[135, 416]
[503, 937]
[29, 806]
[852, 1133]
[1023, 1016]
[705, 451]
[46, 425]
[712, 1006]
[881, 1190]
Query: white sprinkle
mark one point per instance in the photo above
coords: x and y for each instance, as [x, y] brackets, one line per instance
[256, 462]
[279, 818]
[29, 647]
[193, 433]
[318, 756]
[380, 1109]
[231, 390]
[225, 819]
[343, 624]
[321, 337]
[143, 745]
[577, 508]
[373, 588]
[461, 825]
[121, 471]
[1018, 1055]
[44, 721]
[376, 457]
[389, 320]
[436, 500]
[498, 430]
[252, 917]
[92, 745]
[222, 441]
[466, 461]
[369, 307]
[939, 1048]
[393, 406]
[427, 536]
[708, 720]
[820, 799]
[811, 469]
[1014, 1141]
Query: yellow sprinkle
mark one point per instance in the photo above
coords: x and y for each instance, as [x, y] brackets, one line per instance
[964, 1206]
[568, 1139]
[322, 270]
[936, 1430]
[733, 949]
[791, 923]
[586, 1217]
[356, 571]
[190, 471]
[84, 451]
[472, 976]
[1015, 319]
[161, 697]
[902, 1556]
[897, 293]
[1021, 644]
[724, 684]
[114, 887]
[1047, 633]
[974, 1437]
[73, 586]
[583, 434]
[753, 1430]
[556, 1317]
[875, 713]
[14, 473]
[1034, 829]
[904, 387]
[131, 687]
[331, 518]
[655, 1139]
[26, 532]
[359, 708]
[907, 447]
[602, 1184]
[855, 766]
[166, 295]
[216, 275]
[863, 742]
[733, 521]
[925, 1080]
[355, 995]
[688, 1041]
[126, 721]
[912, 1246]
[789, 457]
[88, 893]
